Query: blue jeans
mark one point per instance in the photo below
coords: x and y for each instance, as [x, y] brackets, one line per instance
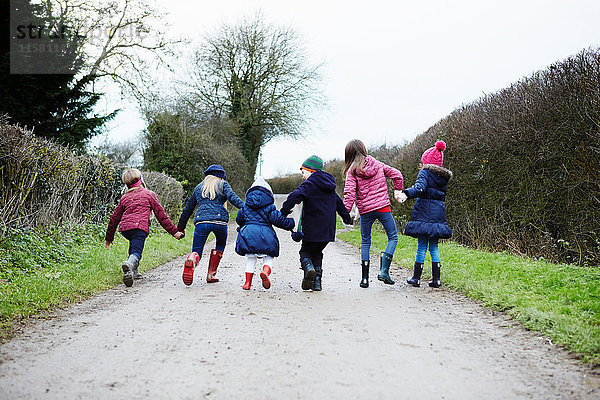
[201, 234]
[366, 223]
[137, 238]
[425, 242]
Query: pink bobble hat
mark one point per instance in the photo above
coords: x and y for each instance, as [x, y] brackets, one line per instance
[435, 154]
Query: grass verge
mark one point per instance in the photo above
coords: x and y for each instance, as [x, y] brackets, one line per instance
[562, 301]
[46, 269]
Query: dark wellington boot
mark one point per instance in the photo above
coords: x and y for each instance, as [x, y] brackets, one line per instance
[364, 283]
[384, 269]
[319, 273]
[309, 273]
[435, 272]
[416, 278]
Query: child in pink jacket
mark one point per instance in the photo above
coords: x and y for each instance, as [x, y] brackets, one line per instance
[366, 186]
[132, 215]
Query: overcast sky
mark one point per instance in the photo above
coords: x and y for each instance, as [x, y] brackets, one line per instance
[394, 68]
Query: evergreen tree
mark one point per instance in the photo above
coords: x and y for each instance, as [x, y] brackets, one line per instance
[54, 105]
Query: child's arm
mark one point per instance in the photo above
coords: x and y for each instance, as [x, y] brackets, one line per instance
[350, 191]
[240, 219]
[419, 187]
[115, 218]
[276, 218]
[296, 197]
[232, 196]
[395, 176]
[189, 208]
[162, 217]
[342, 210]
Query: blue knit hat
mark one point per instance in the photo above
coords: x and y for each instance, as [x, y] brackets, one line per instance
[216, 170]
[313, 163]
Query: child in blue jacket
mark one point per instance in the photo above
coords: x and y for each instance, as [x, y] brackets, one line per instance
[428, 223]
[320, 203]
[208, 199]
[257, 238]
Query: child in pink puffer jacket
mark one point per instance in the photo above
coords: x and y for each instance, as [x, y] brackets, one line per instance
[366, 186]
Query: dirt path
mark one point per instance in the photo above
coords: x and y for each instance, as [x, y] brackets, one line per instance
[162, 340]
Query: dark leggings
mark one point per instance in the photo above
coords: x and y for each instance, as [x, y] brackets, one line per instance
[137, 239]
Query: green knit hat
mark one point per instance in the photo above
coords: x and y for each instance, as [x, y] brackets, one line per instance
[313, 163]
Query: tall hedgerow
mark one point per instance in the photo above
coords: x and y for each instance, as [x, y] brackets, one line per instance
[526, 163]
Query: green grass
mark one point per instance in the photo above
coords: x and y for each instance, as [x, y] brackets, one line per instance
[43, 270]
[562, 301]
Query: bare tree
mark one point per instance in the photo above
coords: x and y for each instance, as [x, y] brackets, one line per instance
[259, 76]
[127, 152]
[119, 39]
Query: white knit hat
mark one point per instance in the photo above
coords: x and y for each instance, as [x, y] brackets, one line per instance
[260, 181]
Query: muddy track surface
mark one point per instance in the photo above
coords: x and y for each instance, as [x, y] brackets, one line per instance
[162, 340]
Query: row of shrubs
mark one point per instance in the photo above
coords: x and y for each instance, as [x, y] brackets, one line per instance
[44, 183]
[526, 164]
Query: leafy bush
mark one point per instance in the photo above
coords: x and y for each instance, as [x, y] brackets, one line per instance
[183, 146]
[45, 183]
[170, 192]
[285, 184]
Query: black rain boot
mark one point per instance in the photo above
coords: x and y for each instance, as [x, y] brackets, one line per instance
[416, 278]
[318, 264]
[384, 269]
[435, 272]
[309, 273]
[364, 283]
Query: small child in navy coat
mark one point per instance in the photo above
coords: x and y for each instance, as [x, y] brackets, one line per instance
[320, 203]
[257, 238]
[428, 223]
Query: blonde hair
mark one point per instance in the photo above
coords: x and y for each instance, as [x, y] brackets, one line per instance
[211, 186]
[355, 155]
[132, 176]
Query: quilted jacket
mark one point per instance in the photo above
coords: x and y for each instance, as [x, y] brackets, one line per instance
[369, 188]
[209, 210]
[133, 212]
[429, 212]
[256, 234]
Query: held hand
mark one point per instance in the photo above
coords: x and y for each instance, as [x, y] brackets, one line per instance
[400, 196]
[179, 235]
[354, 213]
[107, 245]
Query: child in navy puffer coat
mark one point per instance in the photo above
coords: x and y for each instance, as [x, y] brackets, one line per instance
[428, 222]
[257, 238]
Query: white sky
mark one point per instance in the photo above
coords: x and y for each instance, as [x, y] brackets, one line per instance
[394, 68]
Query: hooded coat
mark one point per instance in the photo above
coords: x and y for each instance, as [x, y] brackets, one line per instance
[320, 204]
[369, 187]
[429, 211]
[255, 218]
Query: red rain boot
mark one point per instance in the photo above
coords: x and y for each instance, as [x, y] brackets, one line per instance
[248, 283]
[188, 268]
[213, 264]
[264, 275]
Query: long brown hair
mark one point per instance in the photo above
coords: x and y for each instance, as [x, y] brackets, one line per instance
[355, 155]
